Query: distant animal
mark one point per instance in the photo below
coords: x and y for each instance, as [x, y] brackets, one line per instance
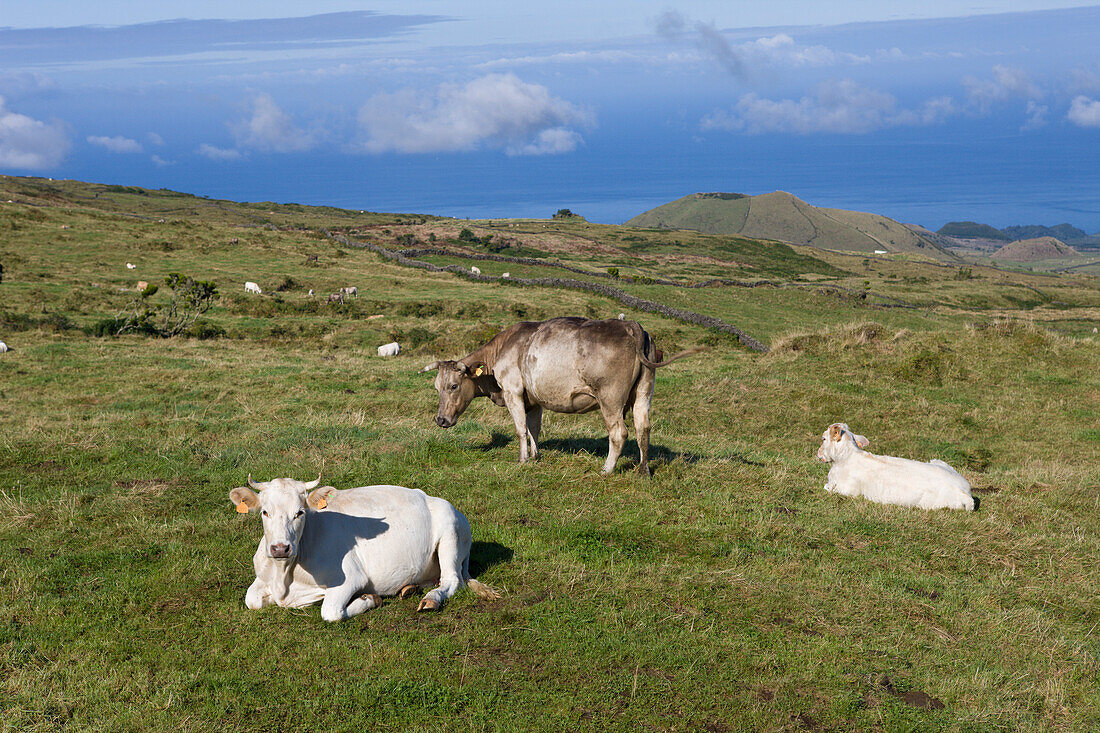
[880, 252]
[352, 291]
[506, 274]
[131, 266]
[234, 240]
[390, 349]
[568, 365]
[142, 284]
[311, 292]
[336, 297]
[252, 288]
[346, 549]
[622, 316]
[475, 270]
[889, 480]
[4, 348]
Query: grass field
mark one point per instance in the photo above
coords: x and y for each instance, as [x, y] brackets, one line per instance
[727, 593]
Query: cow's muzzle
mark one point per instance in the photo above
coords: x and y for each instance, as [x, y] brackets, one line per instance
[444, 422]
[279, 551]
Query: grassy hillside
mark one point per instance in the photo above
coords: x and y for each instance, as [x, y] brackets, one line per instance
[729, 592]
[1030, 250]
[781, 216]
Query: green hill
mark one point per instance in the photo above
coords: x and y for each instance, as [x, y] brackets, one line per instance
[784, 217]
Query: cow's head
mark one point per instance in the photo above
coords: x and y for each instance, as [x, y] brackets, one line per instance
[282, 504]
[837, 441]
[458, 384]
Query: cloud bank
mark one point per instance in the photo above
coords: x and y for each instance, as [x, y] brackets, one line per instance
[28, 143]
[497, 111]
[1084, 112]
[270, 129]
[116, 144]
[841, 107]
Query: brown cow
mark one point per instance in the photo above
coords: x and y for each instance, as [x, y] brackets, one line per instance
[566, 365]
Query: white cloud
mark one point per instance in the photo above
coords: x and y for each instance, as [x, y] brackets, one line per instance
[1084, 112]
[220, 154]
[161, 162]
[271, 129]
[154, 138]
[782, 49]
[1036, 115]
[29, 143]
[1008, 82]
[116, 144]
[842, 107]
[495, 111]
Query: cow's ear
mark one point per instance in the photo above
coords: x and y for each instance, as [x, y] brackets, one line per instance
[246, 499]
[861, 441]
[318, 499]
[835, 431]
[480, 369]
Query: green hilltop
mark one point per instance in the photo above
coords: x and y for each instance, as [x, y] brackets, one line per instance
[784, 217]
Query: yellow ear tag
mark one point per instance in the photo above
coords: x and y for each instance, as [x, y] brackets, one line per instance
[479, 371]
[242, 509]
[322, 503]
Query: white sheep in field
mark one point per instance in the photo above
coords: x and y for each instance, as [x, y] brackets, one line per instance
[131, 266]
[390, 349]
[889, 480]
[507, 274]
[475, 270]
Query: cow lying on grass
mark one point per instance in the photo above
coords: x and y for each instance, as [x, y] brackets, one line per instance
[348, 548]
[566, 365]
[889, 480]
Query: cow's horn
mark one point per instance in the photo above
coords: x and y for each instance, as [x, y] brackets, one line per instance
[311, 485]
[253, 484]
[433, 365]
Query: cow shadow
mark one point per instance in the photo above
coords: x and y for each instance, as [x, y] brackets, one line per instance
[484, 555]
[658, 454]
[331, 534]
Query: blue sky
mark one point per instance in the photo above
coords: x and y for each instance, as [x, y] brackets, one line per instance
[926, 111]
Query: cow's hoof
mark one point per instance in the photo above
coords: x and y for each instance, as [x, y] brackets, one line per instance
[428, 604]
[644, 471]
[407, 591]
[374, 598]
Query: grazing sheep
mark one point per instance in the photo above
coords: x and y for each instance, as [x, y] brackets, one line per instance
[131, 266]
[475, 270]
[253, 288]
[390, 349]
[889, 480]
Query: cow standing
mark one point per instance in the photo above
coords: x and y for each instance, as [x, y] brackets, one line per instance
[568, 365]
[346, 549]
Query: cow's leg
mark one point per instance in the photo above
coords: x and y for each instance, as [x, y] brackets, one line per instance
[258, 595]
[534, 427]
[449, 553]
[616, 435]
[344, 601]
[642, 400]
[519, 420]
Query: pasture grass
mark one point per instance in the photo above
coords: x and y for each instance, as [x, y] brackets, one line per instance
[727, 593]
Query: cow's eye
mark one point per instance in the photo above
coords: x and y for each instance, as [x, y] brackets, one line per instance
[454, 386]
[264, 512]
[300, 513]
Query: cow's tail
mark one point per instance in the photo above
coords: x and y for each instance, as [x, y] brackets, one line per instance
[486, 592]
[642, 339]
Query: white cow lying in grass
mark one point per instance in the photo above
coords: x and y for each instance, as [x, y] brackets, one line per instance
[889, 480]
[347, 548]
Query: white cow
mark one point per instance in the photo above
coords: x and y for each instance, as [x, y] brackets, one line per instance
[507, 274]
[475, 270]
[3, 348]
[352, 291]
[348, 548]
[252, 288]
[131, 266]
[889, 480]
[390, 349]
[142, 284]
